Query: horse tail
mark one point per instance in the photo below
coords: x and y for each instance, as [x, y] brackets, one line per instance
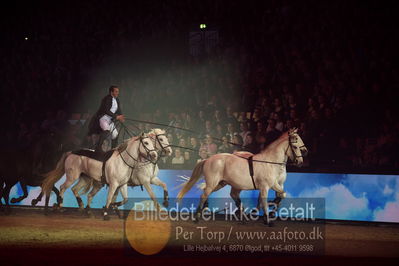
[193, 179]
[53, 176]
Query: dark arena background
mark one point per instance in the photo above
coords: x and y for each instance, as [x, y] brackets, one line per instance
[220, 77]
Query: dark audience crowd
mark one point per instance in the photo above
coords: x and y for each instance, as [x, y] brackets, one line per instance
[328, 68]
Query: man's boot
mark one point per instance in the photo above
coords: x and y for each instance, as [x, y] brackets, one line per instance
[114, 143]
[103, 136]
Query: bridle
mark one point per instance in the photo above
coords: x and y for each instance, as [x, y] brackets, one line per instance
[163, 148]
[291, 140]
[137, 160]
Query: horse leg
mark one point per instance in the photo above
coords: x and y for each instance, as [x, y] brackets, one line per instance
[111, 191]
[204, 198]
[123, 190]
[114, 205]
[280, 194]
[76, 188]
[114, 197]
[71, 176]
[39, 198]
[152, 195]
[1, 192]
[279, 188]
[235, 195]
[276, 202]
[156, 181]
[57, 194]
[25, 191]
[96, 187]
[263, 195]
[47, 199]
[6, 194]
[218, 187]
[46, 204]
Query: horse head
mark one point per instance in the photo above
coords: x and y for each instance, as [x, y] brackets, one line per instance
[161, 141]
[297, 146]
[146, 149]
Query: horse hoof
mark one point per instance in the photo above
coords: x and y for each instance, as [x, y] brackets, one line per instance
[14, 200]
[197, 218]
[34, 202]
[106, 217]
[165, 204]
[237, 212]
[269, 224]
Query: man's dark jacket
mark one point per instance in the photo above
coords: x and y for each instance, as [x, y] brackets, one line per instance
[105, 107]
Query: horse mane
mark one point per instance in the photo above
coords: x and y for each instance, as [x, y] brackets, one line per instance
[123, 146]
[283, 137]
[156, 131]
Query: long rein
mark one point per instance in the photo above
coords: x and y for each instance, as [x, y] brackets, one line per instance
[277, 163]
[138, 157]
[177, 146]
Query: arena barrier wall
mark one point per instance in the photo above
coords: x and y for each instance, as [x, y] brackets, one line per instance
[354, 197]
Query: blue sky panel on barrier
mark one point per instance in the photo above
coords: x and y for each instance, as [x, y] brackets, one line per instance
[347, 196]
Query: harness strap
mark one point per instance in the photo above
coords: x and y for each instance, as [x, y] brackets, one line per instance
[103, 177]
[251, 170]
[131, 167]
[259, 161]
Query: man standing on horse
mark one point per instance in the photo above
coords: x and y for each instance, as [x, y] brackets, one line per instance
[103, 121]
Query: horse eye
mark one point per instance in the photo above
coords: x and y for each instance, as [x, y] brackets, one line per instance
[146, 143]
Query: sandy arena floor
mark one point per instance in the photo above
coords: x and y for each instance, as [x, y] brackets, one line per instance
[27, 236]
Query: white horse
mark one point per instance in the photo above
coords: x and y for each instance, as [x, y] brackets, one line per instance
[144, 175]
[269, 171]
[136, 152]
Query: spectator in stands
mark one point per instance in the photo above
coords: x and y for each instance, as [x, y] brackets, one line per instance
[178, 159]
[194, 145]
[219, 133]
[251, 145]
[237, 142]
[225, 147]
[230, 132]
[303, 75]
[271, 132]
[244, 131]
[203, 155]
[189, 161]
[209, 145]
[208, 129]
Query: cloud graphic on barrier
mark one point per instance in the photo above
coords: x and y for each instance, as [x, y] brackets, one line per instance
[381, 186]
[387, 190]
[341, 203]
[390, 212]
